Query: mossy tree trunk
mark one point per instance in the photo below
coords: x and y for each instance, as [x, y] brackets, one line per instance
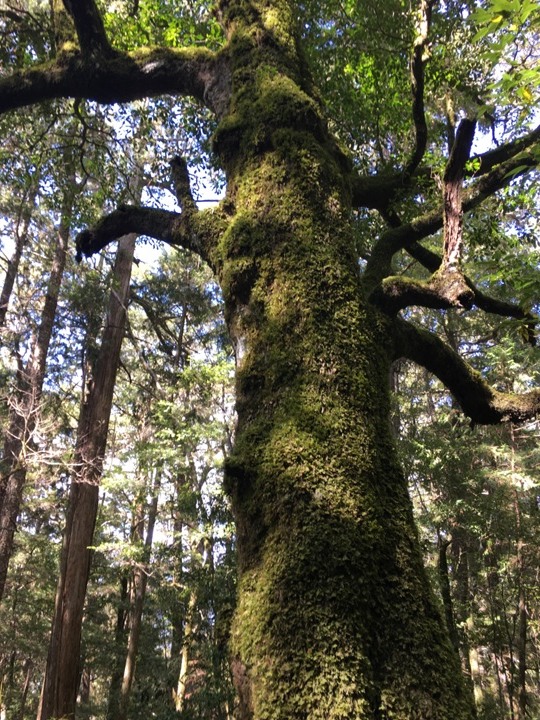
[335, 618]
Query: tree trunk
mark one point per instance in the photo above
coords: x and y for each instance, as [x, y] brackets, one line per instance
[521, 599]
[464, 611]
[335, 615]
[446, 592]
[28, 671]
[21, 239]
[85, 686]
[119, 638]
[178, 612]
[522, 652]
[183, 673]
[62, 673]
[140, 577]
[25, 404]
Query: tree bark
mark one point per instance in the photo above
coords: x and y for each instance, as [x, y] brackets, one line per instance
[28, 668]
[522, 613]
[183, 673]
[59, 692]
[140, 578]
[446, 592]
[335, 616]
[119, 637]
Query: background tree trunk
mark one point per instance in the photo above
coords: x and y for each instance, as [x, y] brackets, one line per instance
[21, 239]
[119, 638]
[184, 655]
[25, 402]
[140, 579]
[62, 673]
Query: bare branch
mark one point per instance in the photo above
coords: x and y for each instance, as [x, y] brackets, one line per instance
[169, 227]
[197, 232]
[181, 184]
[159, 224]
[144, 73]
[404, 236]
[452, 209]
[441, 292]
[482, 403]
[431, 261]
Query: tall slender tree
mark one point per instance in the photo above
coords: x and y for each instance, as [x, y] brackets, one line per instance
[139, 583]
[63, 669]
[25, 402]
[335, 615]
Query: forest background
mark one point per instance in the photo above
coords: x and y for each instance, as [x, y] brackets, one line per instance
[162, 583]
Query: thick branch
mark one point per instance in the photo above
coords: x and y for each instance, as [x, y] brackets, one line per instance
[144, 73]
[482, 403]
[444, 291]
[418, 61]
[452, 189]
[441, 292]
[431, 261]
[169, 227]
[89, 26]
[404, 236]
[378, 191]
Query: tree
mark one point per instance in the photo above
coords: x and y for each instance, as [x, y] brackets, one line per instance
[25, 403]
[180, 405]
[61, 681]
[335, 615]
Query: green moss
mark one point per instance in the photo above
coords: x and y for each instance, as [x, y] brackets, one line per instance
[335, 617]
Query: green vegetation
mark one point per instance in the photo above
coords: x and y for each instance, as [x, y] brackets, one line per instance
[255, 527]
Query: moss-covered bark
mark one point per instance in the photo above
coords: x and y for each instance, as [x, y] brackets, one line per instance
[335, 618]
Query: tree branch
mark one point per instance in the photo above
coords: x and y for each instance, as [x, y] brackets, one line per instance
[89, 26]
[418, 61]
[452, 187]
[197, 72]
[182, 186]
[482, 403]
[169, 227]
[377, 191]
[483, 163]
[440, 292]
[404, 236]
[431, 261]
[159, 224]
[395, 293]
